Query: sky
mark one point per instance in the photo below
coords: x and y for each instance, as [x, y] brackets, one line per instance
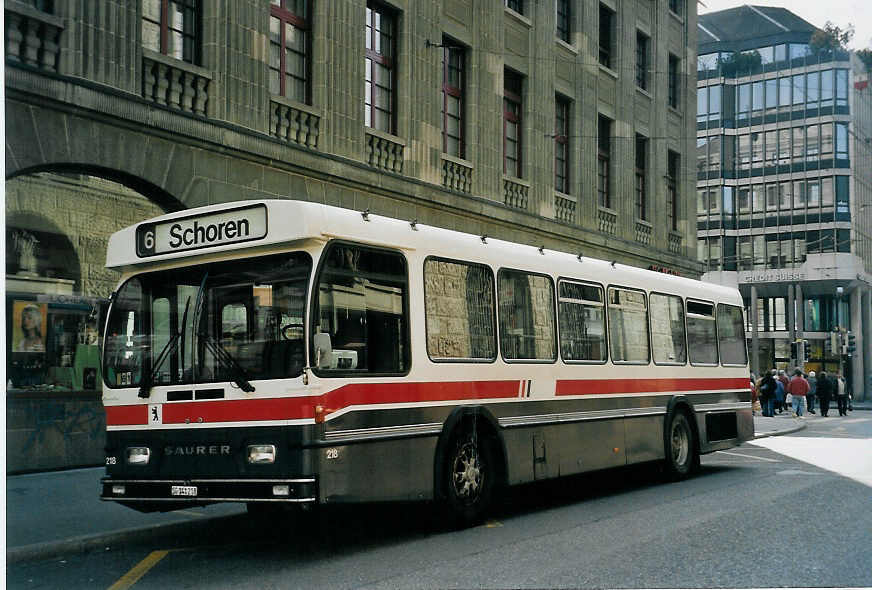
[817, 12]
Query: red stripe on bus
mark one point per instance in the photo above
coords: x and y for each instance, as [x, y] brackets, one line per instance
[293, 408]
[126, 415]
[611, 386]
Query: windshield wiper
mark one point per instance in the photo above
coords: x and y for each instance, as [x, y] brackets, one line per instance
[240, 375]
[166, 351]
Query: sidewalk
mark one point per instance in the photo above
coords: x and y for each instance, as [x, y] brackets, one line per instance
[59, 512]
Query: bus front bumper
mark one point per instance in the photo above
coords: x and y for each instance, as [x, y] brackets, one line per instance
[207, 491]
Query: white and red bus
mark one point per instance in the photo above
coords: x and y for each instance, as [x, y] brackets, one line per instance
[292, 352]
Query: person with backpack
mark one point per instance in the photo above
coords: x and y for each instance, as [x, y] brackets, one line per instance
[767, 393]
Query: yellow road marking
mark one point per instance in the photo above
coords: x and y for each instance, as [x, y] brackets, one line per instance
[139, 570]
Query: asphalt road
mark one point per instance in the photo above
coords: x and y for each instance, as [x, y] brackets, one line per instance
[753, 517]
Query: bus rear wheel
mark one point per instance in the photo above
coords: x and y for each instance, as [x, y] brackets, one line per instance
[680, 445]
[470, 476]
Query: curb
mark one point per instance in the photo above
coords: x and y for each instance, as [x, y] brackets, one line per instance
[85, 543]
[797, 428]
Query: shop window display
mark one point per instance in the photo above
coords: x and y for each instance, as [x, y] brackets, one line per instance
[57, 289]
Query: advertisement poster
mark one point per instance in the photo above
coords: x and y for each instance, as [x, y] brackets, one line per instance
[28, 326]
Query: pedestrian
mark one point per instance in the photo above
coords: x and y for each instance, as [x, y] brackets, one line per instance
[824, 392]
[766, 391]
[780, 393]
[798, 388]
[780, 404]
[841, 392]
[812, 390]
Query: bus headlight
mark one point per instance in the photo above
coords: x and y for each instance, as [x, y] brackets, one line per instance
[138, 455]
[261, 454]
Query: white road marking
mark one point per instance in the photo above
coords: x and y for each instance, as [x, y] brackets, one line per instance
[850, 457]
[752, 457]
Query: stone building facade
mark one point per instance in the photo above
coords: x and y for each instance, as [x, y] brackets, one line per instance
[562, 124]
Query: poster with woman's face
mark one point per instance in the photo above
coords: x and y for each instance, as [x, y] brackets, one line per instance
[28, 326]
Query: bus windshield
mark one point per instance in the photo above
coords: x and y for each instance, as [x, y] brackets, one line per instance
[236, 321]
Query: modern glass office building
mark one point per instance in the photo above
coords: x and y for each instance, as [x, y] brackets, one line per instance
[784, 188]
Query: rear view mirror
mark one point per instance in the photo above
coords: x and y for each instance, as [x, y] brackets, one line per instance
[323, 350]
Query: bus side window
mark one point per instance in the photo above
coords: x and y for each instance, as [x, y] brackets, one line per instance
[702, 337]
[667, 329]
[362, 303]
[731, 335]
[628, 326]
[526, 311]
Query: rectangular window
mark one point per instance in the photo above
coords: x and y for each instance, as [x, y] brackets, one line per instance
[289, 49]
[798, 144]
[172, 27]
[362, 307]
[642, 44]
[784, 94]
[773, 258]
[561, 145]
[771, 148]
[731, 335]
[799, 196]
[757, 98]
[826, 141]
[798, 89]
[582, 322]
[784, 136]
[746, 253]
[673, 161]
[512, 89]
[714, 161]
[604, 154]
[757, 198]
[526, 304]
[606, 35]
[516, 5]
[813, 192]
[813, 89]
[841, 141]
[702, 107]
[674, 87]
[744, 200]
[563, 8]
[812, 143]
[827, 88]
[841, 88]
[714, 109]
[771, 93]
[785, 195]
[641, 177]
[757, 149]
[772, 197]
[743, 101]
[628, 326]
[827, 192]
[744, 151]
[379, 108]
[759, 252]
[702, 341]
[460, 311]
[453, 57]
[667, 329]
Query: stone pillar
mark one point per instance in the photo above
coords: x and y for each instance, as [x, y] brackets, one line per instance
[866, 344]
[800, 325]
[858, 373]
[791, 325]
[755, 334]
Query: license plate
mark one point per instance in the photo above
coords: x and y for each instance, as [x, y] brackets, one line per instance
[183, 490]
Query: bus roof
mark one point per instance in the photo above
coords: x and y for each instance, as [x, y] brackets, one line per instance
[242, 225]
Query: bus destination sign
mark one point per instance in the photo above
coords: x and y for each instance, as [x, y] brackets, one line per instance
[201, 231]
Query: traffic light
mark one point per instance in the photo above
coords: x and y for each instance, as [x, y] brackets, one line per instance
[794, 350]
[852, 343]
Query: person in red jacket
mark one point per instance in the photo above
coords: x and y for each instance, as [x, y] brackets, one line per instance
[798, 388]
